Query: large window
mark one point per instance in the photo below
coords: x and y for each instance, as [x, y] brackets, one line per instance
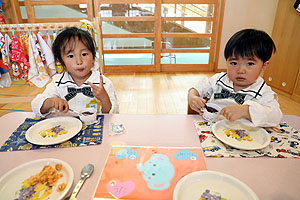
[142, 35]
[159, 36]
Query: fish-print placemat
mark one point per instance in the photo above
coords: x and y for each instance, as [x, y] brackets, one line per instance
[89, 135]
[285, 142]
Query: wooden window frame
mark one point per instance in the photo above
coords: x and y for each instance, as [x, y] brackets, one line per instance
[157, 35]
[29, 4]
[93, 15]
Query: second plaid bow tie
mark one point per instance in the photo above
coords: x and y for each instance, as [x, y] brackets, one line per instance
[224, 94]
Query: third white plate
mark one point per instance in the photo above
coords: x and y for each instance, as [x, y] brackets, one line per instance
[259, 137]
[12, 181]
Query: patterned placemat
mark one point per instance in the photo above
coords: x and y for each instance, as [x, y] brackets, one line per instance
[89, 135]
[145, 172]
[285, 142]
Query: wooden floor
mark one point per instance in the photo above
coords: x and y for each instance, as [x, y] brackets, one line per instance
[151, 93]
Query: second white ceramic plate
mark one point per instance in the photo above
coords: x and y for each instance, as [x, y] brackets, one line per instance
[259, 136]
[11, 182]
[71, 124]
[193, 185]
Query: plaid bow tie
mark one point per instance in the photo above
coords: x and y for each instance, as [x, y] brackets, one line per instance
[225, 94]
[72, 92]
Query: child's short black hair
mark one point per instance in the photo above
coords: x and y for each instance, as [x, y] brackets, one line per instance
[71, 34]
[250, 43]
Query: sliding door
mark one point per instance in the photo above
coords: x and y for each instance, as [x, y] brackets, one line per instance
[158, 35]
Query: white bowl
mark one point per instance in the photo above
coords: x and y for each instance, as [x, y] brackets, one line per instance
[211, 116]
[88, 115]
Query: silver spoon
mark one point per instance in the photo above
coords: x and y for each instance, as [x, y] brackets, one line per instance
[74, 111]
[86, 172]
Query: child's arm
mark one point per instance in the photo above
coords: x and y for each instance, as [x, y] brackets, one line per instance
[55, 102]
[195, 101]
[199, 94]
[265, 112]
[42, 108]
[101, 94]
[235, 112]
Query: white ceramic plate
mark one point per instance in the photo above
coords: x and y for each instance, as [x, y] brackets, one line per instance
[193, 185]
[11, 182]
[70, 124]
[260, 137]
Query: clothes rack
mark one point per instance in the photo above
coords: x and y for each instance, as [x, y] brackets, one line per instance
[55, 27]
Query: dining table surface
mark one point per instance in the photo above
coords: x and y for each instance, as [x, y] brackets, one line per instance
[270, 178]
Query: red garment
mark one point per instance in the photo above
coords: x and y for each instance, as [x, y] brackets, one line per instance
[24, 44]
[19, 62]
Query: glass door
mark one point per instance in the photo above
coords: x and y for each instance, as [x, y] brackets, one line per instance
[158, 35]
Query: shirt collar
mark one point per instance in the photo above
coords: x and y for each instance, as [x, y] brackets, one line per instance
[253, 90]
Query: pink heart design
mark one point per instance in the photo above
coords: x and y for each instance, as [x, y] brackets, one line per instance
[118, 189]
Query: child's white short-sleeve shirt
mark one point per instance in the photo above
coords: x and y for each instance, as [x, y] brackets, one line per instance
[263, 102]
[63, 86]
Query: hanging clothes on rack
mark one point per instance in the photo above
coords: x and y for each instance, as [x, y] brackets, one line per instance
[25, 45]
[24, 41]
[33, 71]
[2, 46]
[5, 80]
[19, 62]
[37, 73]
[48, 55]
[48, 39]
[7, 50]
[33, 59]
[3, 68]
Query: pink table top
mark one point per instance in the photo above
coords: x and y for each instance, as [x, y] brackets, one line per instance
[269, 178]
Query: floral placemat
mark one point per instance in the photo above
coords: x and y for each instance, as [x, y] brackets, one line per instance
[285, 142]
[88, 135]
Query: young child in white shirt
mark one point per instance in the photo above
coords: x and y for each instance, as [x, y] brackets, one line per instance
[81, 85]
[241, 92]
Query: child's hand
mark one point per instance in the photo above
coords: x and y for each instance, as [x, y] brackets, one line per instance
[195, 101]
[98, 90]
[55, 102]
[235, 112]
[100, 93]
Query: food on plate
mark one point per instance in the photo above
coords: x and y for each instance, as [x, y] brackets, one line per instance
[53, 132]
[58, 166]
[40, 185]
[61, 187]
[206, 195]
[239, 135]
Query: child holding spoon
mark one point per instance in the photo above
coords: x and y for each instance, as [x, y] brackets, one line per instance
[241, 92]
[81, 85]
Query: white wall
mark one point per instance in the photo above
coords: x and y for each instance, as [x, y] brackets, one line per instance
[241, 14]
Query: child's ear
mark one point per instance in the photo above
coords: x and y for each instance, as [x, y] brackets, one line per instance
[264, 67]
